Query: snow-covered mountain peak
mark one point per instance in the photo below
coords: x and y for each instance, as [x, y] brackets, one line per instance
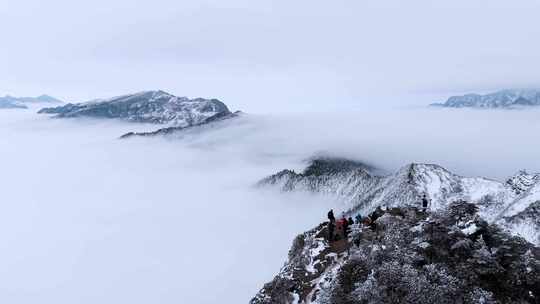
[328, 165]
[421, 174]
[151, 95]
[148, 106]
[433, 180]
[47, 99]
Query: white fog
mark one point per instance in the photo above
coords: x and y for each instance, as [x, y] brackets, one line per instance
[88, 218]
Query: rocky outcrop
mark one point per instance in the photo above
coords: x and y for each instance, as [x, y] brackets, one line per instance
[448, 256]
[522, 181]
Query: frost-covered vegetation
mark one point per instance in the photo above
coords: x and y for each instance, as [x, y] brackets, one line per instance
[451, 256]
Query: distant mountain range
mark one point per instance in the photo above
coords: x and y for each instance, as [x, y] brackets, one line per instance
[156, 107]
[11, 102]
[502, 99]
[11, 105]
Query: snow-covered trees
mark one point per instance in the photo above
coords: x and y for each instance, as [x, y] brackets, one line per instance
[452, 256]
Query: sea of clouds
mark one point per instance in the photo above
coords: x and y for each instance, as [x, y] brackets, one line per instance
[88, 218]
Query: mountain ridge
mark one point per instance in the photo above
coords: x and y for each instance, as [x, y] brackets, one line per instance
[4, 104]
[157, 107]
[508, 98]
[169, 131]
[362, 192]
[11, 102]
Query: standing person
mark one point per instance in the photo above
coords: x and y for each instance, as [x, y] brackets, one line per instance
[358, 218]
[345, 227]
[339, 230]
[425, 203]
[350, 222]
[331, 217]
[357, 240]
[377, 213]
[372, 224]
[366, 221]
[331, 227]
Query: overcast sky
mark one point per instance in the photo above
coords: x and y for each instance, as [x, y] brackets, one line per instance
[260, 56]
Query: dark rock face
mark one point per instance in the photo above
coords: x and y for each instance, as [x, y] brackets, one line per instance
[327, 166]
[148, 107]
[500, 99]
[451, 256]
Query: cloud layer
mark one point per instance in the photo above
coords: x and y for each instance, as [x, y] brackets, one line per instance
[88, 218]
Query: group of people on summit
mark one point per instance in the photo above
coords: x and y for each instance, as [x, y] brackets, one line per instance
[340, 229]
[342, 226]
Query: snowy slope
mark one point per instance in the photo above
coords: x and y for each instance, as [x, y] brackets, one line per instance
[522, 215]
[150, 107]
[525, 199]
[363, 191]
[451, 256]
